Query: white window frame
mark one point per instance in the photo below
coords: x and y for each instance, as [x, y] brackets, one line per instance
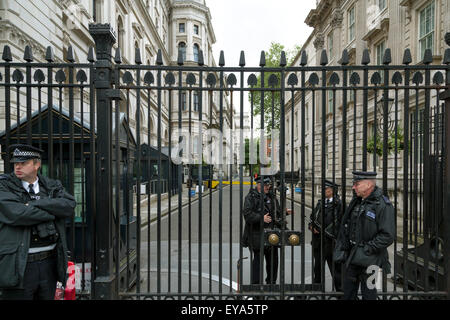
[431, 33]
[330, 101]
[351, 24]
[330, 45]
[184, 27]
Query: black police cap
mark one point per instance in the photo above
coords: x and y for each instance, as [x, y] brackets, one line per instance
[266, 180]
[363, 175]
[330, 184]
[24, 152]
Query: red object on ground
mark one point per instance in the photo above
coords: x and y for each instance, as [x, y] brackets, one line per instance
[69, 291]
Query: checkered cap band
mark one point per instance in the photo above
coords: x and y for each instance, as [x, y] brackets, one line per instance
[26, 154]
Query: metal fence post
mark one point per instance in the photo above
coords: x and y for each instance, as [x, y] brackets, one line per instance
[446, 161]
[103, 276]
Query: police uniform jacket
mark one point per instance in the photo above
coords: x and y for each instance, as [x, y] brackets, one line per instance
[253, 215]
[330, 219]
[17, 216]
[366, 242]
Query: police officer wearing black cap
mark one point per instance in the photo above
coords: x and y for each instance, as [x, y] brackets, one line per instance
[33, 248]
[254, 210]
[330, 228]
[366, 231]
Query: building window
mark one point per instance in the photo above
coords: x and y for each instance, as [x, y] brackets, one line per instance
[196, 101]
[330, 45]
[351, 24]
[330, 101]
[182, 48]
[196, 30]
[183, 101]
[379, 51]
[381, 4]
[120, 34]
[181, 28]
[196, 52]
[426, 29]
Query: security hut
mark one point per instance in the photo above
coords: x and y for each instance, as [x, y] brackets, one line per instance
[80, 229]
[155, 178]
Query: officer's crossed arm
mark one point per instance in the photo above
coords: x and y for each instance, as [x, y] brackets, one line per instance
[16, 213]
[61, 207]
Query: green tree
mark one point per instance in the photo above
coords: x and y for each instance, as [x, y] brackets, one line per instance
[255, 166]
[273, 57]
[390, 143]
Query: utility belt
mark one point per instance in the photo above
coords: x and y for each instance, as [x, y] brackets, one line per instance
[43, 234]
[39, 256]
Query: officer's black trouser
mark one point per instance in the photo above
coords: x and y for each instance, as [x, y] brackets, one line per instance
[354, 276]
[39, 282]
[328, 257]
[271, 257]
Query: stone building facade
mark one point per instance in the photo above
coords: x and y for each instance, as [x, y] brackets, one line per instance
[150, 25]
[357, 25]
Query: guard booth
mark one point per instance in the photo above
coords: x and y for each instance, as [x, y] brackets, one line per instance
[155, 178]
[80, 234]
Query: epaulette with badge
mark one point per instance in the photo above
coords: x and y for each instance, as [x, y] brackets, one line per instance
[386, 199]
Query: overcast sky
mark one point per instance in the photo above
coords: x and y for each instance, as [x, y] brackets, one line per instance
[251, 25]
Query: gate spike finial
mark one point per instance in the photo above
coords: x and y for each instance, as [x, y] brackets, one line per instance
[118, 56]
[70, 57]
[323, 58]
[201, 60]
[283, 61]
[446, 59]
[49, 54]
[427, 57]
[387, 56]
[91, 57]
[7, 54]
[242, 59]
[262, 60]
[222, 59]
[407, 57]
[159, 59]
[28, 55]
[365, 57]
[137, 56]
[345, 59]
[304, 58]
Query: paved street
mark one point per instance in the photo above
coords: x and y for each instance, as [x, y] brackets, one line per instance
[189, 254]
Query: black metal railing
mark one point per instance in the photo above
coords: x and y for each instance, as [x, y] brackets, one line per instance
[96, 121]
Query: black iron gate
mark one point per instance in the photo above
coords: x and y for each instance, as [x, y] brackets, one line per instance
[149, 235]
